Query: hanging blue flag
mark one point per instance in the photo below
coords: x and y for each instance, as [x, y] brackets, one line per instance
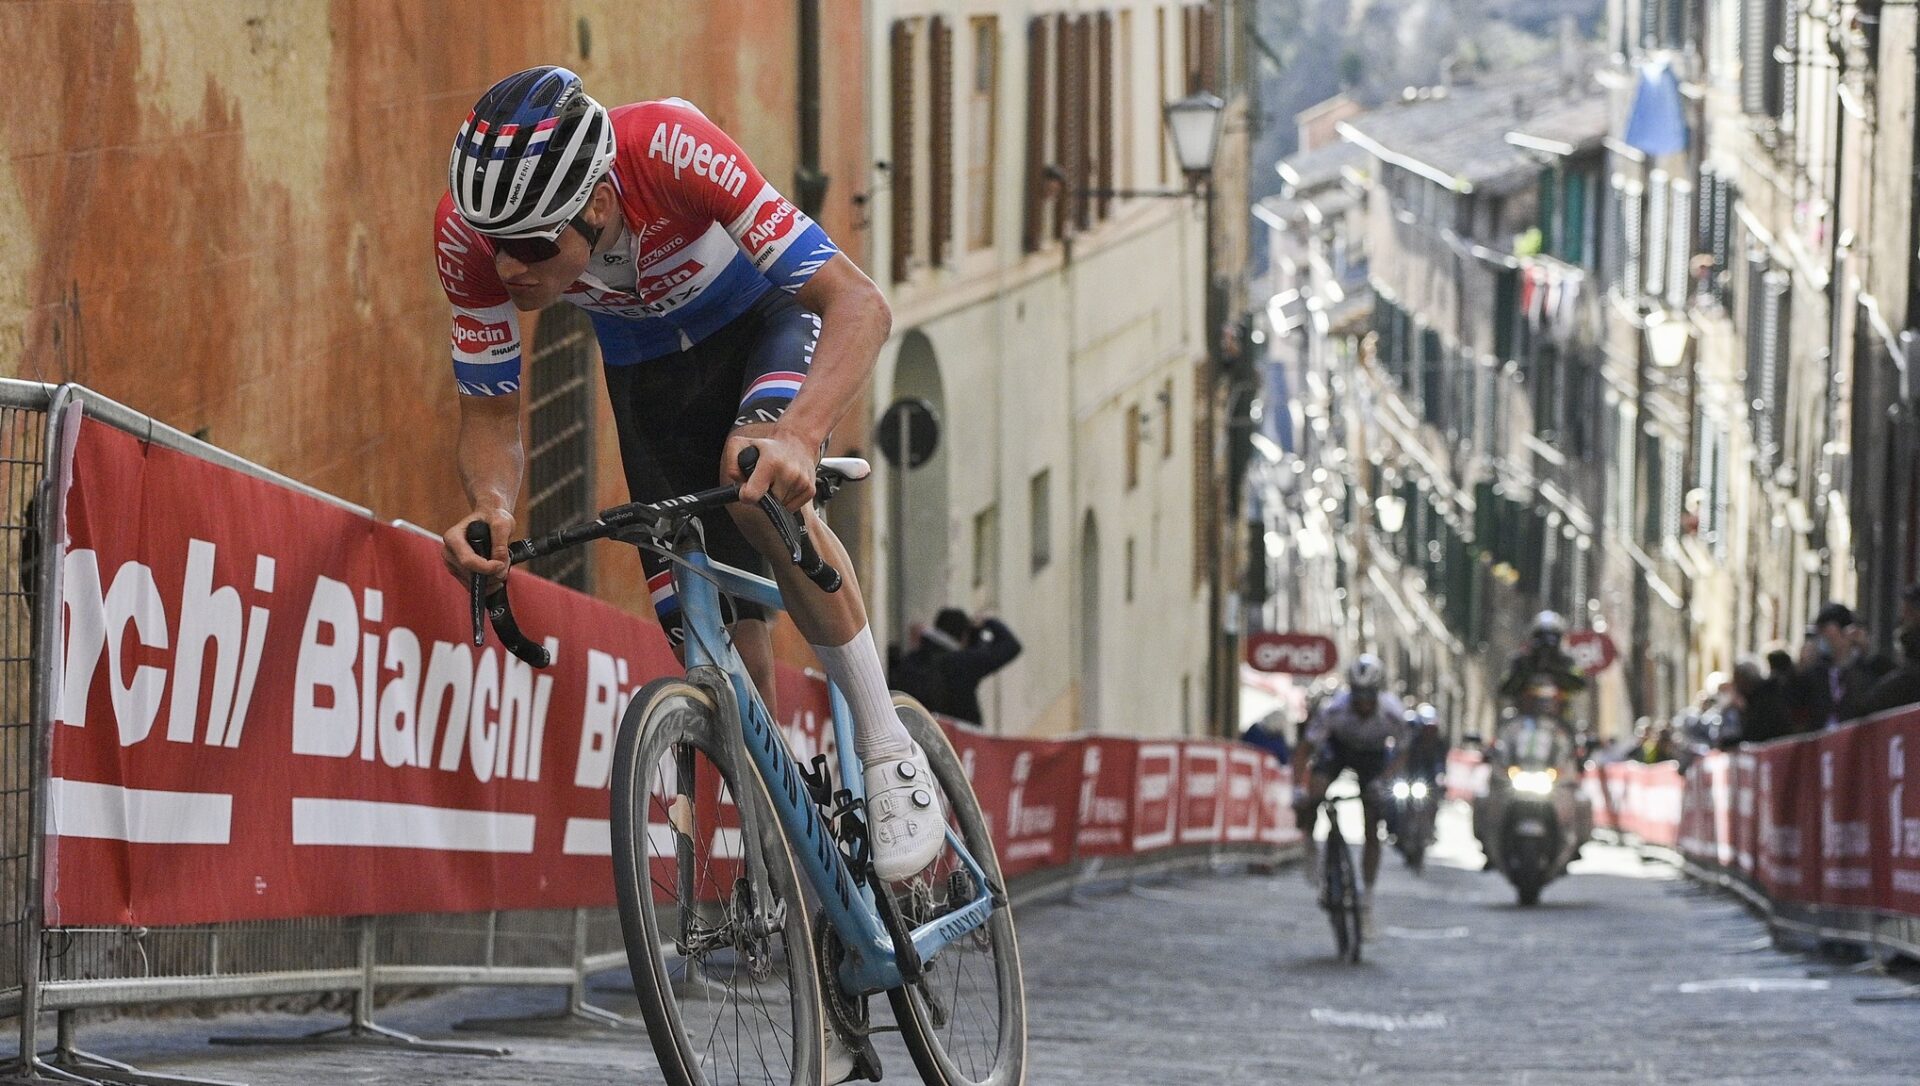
[1658, 124]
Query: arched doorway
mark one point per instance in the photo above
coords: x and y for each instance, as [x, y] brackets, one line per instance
[920, 555]
[1088, 632]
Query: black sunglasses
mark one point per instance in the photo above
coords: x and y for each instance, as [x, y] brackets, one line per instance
[531, 251]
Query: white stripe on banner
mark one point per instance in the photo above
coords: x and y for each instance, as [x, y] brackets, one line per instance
[140, 816]
[588, 837]
[371, 824]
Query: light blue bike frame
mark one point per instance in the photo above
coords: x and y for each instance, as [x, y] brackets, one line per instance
[870, 964]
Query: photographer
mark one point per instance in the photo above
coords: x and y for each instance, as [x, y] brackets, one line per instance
[945, 670]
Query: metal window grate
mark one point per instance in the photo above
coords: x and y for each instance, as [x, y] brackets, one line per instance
[560, 436]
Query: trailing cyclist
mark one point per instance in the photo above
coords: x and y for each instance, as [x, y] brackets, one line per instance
[1358, 729]
[726, 318]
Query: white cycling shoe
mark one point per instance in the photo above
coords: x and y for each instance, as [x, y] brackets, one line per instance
[906, 822]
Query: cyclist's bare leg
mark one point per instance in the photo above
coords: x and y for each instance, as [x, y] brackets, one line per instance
[1370, 848]
[827, 618]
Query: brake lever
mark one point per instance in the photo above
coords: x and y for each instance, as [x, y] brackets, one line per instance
[480, 538]
[493, 605]
[793, 531]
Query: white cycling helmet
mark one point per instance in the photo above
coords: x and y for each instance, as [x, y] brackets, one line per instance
[1366, 674]
[1549, 624]
[529, 154]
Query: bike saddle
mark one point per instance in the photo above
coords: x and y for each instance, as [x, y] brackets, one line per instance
[851, 468]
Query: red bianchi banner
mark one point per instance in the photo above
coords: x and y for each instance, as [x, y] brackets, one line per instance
[267, 706]
[1830, 820]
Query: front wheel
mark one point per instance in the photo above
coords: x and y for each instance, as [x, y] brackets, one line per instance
[716, 926]
[965, 1019]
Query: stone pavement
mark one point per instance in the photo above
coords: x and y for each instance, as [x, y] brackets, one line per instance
[1624, 974]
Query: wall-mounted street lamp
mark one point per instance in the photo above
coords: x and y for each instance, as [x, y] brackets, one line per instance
[1667, 338]
[1393, 512]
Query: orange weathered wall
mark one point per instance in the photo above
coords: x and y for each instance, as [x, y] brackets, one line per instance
[220, 213]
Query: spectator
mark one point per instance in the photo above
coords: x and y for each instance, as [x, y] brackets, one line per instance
[1836, 670]
[945, 670]
[1651, 746]
[1761, 701]
[1269, 733]
[1900, 687]
[1910, 607]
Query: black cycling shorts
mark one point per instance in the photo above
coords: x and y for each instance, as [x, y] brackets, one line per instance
[1334, 756]
[674, 414]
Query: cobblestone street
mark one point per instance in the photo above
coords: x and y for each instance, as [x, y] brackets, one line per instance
[1625, 974]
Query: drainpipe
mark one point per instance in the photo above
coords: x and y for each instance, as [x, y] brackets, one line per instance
[809, 180]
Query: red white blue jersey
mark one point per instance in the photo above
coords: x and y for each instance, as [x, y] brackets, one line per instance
[705, 237]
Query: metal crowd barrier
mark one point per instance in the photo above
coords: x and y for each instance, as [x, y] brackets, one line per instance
[66, 970]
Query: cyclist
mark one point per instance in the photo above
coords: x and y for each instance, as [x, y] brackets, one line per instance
[1544, 656]
[1356, 729]
[726, 319]
[1426, 745]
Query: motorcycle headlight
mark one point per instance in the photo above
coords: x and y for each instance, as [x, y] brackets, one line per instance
[1400, 790]
[1418, 789]
[1537, 782]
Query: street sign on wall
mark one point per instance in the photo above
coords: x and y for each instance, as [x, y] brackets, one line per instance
[1291, 653]
[1591, 650]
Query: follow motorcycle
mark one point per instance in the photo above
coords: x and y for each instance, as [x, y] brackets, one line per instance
[1410, 814]
[1533, 819]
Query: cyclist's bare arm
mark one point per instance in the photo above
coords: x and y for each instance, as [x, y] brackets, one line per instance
[854, 324]
[492, 461]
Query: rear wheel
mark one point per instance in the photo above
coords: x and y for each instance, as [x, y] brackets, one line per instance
[965, 1019]
[716, 927]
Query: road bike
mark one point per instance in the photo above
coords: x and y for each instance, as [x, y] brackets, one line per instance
[754, 923]
[1340, 883]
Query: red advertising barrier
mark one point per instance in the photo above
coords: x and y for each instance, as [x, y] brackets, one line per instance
[268, 707]
[1635, 798]
[1822, 820]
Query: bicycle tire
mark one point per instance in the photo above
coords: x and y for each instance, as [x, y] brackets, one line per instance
[1336, 882]
[686, 999]
[927, 1026]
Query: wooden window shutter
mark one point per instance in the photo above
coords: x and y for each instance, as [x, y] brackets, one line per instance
[1066, 131]
[1103, 104]
[1033, 224]
[1190, 46]
[1083, 122]
[902, 182]
[940, 245]
[1208, 23]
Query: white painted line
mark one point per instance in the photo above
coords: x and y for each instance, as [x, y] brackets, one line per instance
[588, 837]
[1754, 985]
[141, 816]
[372, 824]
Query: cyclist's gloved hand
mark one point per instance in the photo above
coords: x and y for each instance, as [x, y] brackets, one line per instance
[458, 555]
[785, 470]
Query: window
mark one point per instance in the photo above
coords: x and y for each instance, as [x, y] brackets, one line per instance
[1166, 420]
[1135, 434]
[1680, 207]
[1040, 518]
[986, 547]
[982, 125]
[1129, 569]
[1761, 22]
[560, 389]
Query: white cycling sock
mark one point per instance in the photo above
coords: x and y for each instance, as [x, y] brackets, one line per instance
[855, 668]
